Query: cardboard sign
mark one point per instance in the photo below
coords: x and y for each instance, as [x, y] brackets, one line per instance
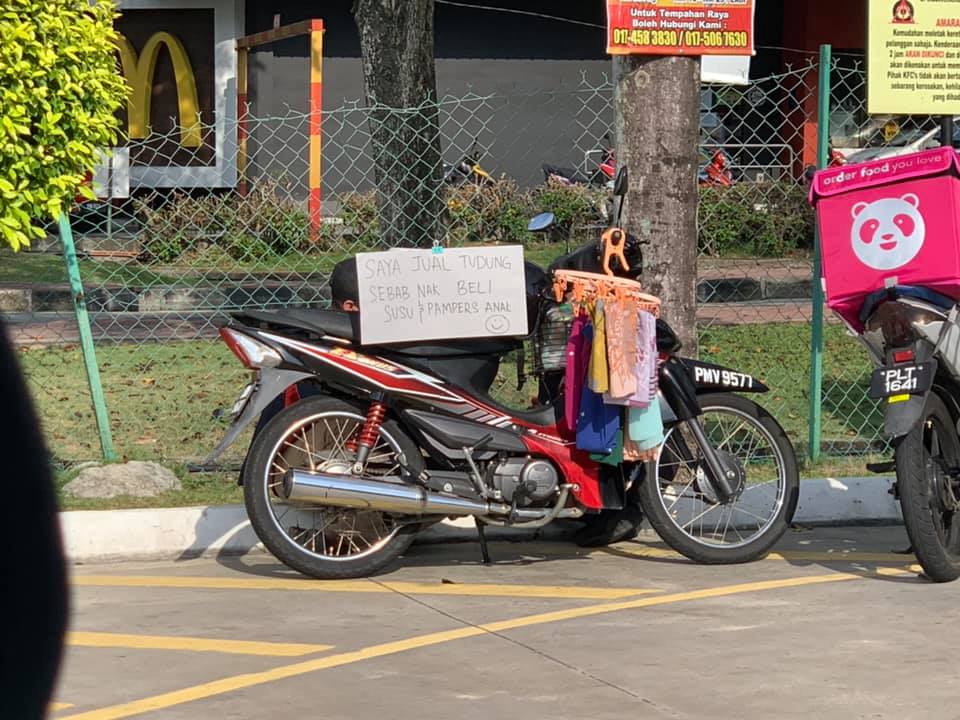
[412, 295]
[913, 57]
[680, 27]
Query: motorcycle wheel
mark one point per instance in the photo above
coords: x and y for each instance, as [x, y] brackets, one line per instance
[929, 497]
[681, 506]
[329, 543]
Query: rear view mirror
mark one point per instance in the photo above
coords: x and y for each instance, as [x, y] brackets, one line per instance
[541, 222]
[622, 183]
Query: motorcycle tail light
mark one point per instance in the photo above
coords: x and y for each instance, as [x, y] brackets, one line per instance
[901, 356]
[252, 353]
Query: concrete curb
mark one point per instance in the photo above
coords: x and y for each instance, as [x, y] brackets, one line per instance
[191, 532]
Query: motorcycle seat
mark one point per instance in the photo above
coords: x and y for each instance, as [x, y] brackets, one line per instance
[334, 323]
[875, 299]
[346, 326]
[565, 172]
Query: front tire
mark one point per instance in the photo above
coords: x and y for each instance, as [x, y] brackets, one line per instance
[928, 496]
[678, 501]
[328, 543]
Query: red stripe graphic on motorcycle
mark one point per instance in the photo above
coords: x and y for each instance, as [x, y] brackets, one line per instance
[399, 379]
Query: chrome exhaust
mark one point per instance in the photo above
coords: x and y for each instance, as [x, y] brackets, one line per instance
[350, 491]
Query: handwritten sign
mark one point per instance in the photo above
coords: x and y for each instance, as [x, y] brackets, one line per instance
[913, 57]
[411, 295]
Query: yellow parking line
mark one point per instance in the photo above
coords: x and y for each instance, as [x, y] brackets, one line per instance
[54, 706]
[361, 586]
[844, 556]
[170, 642]
[238, 682]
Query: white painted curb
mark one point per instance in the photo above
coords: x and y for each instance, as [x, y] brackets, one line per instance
[184, 533]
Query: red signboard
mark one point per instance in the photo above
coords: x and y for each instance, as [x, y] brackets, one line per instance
[680, 27]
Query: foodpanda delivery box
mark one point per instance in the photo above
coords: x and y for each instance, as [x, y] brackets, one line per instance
[893, 221]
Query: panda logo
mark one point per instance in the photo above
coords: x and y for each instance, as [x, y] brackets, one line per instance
[888, 233]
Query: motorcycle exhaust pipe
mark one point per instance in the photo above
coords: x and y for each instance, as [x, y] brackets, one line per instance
[349, 491]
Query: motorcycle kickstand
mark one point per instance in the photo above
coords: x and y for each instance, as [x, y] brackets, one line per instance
[482, 534]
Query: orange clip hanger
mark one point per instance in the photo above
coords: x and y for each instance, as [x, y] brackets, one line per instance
[582, 287]
[614, 243]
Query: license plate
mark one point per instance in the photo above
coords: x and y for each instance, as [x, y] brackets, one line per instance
[241, 402]
[890, 382]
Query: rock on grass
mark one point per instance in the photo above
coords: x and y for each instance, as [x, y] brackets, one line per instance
[132, 479]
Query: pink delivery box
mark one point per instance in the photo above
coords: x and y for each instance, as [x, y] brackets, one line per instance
[892, 221]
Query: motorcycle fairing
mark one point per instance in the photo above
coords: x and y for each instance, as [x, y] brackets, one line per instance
[346, 366]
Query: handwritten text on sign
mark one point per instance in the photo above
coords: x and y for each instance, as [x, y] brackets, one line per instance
[410, 295]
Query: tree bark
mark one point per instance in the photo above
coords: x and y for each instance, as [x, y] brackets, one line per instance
[399, 79]
[658, 124]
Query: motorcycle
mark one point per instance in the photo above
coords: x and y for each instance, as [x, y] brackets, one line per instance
[394, 438]
[601, 176]
[468, 171]
[912, 336]
[716, 173]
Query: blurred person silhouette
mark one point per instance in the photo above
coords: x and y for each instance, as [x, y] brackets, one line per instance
[33, 582]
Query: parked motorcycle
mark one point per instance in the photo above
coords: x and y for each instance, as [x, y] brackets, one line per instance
[912, 335]
[600, 175]
[397, 437]
[468, 171]
[716, 173]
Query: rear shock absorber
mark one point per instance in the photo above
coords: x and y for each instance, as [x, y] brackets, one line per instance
[370, 433]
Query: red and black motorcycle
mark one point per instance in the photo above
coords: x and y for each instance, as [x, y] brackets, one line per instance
[387, 440]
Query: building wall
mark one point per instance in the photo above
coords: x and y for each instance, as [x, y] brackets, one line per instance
[478, 52]
[807, 25]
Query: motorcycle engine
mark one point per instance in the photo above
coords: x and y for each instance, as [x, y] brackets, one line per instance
[536, 479]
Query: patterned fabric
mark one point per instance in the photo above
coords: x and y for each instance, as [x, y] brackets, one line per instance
[644, 433]
[646, 366]
[621, 325]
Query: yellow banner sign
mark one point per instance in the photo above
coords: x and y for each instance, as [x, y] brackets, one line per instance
[913, 57]
[139, 72]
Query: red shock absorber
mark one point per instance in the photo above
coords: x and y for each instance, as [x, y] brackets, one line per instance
[370, 432]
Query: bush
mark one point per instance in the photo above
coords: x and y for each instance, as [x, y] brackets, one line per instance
[59, 93]
[500, 211]
[263, 224]
[771, 219]
[496, 212]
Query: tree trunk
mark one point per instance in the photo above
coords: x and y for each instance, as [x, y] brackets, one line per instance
[658, 125]
[399, 80]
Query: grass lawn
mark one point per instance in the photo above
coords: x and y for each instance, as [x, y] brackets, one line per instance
[161, 399]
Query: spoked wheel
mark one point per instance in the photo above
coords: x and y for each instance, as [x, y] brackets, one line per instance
[927, 459]
[318, 435]
[681, 504]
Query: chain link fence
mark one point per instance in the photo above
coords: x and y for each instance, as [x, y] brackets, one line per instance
[164, 263]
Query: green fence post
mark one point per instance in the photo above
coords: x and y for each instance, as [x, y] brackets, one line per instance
[816, 340]
[86, 339]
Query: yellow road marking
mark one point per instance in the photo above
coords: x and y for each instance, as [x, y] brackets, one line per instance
[238, 682]
[361, 586]
[786, 555]
[169, 642]
[59, 706]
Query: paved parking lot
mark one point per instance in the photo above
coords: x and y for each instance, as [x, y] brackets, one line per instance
[836, 624]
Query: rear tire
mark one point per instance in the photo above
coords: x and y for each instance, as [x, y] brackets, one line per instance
[926, 491]
[373, 539]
